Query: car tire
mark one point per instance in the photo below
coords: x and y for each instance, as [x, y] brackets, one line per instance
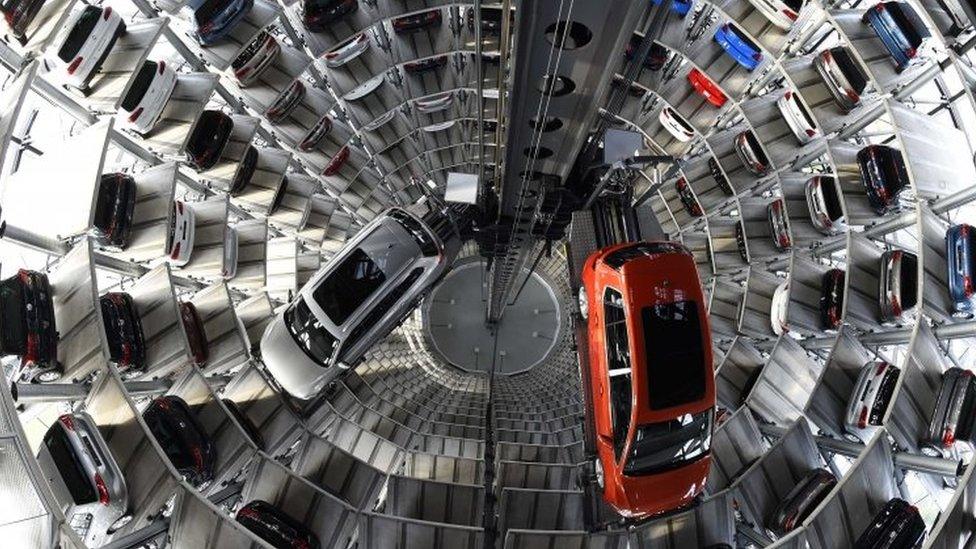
[583, 302]
[930, 450]
[853, 438]
[46, 376]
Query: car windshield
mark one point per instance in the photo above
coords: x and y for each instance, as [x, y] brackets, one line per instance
[670, 444]
[140, 85]
[79, 33]
[309, 334]
[108, 191]
[892, 166]
[69, 465]
[349, 285]
[908, 280]
[795, 5]
[909, 23]
[618, 367]
[676, 366]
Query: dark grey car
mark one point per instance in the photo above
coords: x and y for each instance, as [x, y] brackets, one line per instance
[952, 419]
[801, 501]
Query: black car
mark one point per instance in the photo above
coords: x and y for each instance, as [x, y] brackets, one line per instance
[123, 330]
[953, 418]
[656, 57]
[801, 501]
[740, 242]
[317, 15]
[897, 526]
[279, 196]
[832, 299]
[244, 171]
[275, 527]
[249, 427]
[113, 210]
[27, 325]
[417, 21]
[719, 176]
[687, 197]
[208, 139]
[19, 14]
[884, 175]
[184, 440]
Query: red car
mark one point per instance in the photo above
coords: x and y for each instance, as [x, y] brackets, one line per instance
[706, 88]
[650, 368]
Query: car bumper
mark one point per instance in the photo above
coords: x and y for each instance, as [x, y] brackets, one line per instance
[295, 371]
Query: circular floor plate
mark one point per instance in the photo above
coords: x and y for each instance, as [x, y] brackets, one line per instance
[455, 315]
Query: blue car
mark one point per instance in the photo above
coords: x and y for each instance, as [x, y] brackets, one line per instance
[213, 19]
[739, 46]
[960, 256]
[681, 7]
[900, 29]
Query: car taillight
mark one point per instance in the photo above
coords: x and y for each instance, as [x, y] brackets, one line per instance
[881, 368]
[247, 512]
[206, 28]
[811, 133]
[176, 251]
[948, 437]
[788, 94]
[790, 14]
[853, 96]
[103, 496]
[332, 55]
[135, 115]
[911, 52]
[827, 56]
[299, 544]
[33, 348]
[162, 66]
[862, 420]
[879, 8]
[106, 13]
[243, 72]
[757, 57]
[74, 65]
[198, 458]
[68, 422]
[967, 285]
[126, 354]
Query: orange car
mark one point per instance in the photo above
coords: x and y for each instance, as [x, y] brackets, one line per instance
[653, 390]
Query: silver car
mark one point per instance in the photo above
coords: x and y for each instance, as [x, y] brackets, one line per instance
[363, 292]
[84, 477]
[898, 284]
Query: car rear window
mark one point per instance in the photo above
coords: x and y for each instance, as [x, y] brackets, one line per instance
[909, 23]
[852, 71]
[744, 37]
[908, 283]
[795, 5]
[140, 85]
[828, 187]
[12, 322]
[892, 165]
[667, 445]
[208, 10]
[69, 465]
[680, 120]
[79, 33]
[353, 281]
[108, 190]
[803, 110]
[676, 366]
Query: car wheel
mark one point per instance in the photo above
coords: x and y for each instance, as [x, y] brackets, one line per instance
[851, 437]
[584, 306]
[48, 376]
[119, 524]
[598, 473]
[930, 450]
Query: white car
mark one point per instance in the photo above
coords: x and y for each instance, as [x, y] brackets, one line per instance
[870, 399]
[90, 34]
[143, 104]
[229, 270]
[365, 88]
[434, 103]
[778, 309]
[255, 58]
[824, 202]
[676, 125]
[347, 53]
[314, 135]
[798, 117]
[440, 126]
[782, 13]
[286, 102]
[179, 239]
[357, 298]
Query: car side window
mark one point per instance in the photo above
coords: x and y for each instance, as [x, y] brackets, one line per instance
[618, 367]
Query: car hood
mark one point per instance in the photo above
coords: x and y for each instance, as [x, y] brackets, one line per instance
[651, 495]
[291, 367]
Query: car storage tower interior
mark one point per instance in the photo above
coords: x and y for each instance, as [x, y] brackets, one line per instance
[470, 424]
